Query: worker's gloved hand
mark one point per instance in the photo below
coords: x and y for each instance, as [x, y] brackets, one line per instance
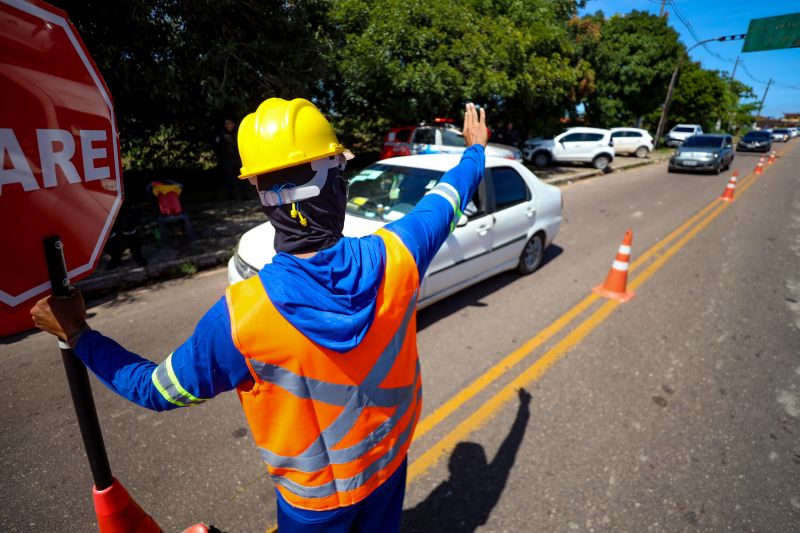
[475, 130]
[63, 317]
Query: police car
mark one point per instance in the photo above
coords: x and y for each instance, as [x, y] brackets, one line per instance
[437, 137]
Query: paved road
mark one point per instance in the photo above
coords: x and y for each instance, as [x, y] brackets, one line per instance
[679, 410]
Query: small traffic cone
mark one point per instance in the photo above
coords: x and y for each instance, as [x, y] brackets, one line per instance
[760, 166]
[615, 286]
[772, 157]
[117, 512]
[727, 195]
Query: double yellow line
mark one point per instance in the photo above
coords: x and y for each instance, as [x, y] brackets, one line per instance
[478, 417]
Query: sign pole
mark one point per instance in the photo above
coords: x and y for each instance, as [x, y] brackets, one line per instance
[77, 375]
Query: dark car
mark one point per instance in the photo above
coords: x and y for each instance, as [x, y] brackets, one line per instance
[755, 141]
[706, 152]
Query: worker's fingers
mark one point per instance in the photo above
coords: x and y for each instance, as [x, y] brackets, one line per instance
[482, 120]
[469, 115]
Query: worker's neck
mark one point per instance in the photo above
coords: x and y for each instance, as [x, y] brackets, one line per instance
[305, 255]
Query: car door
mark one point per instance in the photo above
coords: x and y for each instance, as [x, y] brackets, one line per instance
[622, 142]
[514, 209]
[569, 147]
[463, 254]
[727, 151]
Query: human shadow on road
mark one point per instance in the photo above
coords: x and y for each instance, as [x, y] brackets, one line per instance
[472, 296]
[464, 502]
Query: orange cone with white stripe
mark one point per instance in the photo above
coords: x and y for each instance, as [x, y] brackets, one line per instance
[760, 166]
[772, 157]
[616, 284]
[727, 195]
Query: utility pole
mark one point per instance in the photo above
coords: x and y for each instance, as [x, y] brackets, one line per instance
[733, 74]
[761, 105]
[661, 11]
[663, 120]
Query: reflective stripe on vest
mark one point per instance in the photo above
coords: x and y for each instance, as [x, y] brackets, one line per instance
[332, 427]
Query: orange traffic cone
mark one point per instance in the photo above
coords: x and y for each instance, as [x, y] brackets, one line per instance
[760, 166]
[772, 157]
[616, 283]
[727, 195]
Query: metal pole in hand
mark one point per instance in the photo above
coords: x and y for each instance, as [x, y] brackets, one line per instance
[77, 376]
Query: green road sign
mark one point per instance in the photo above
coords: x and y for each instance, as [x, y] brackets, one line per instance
[773, 33]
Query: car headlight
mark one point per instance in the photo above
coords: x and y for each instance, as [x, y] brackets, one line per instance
[244, 270]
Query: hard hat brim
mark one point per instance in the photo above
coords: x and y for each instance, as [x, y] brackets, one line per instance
[348, 155]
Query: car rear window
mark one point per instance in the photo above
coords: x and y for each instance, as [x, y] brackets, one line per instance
[682, 129]
[387, 192]
[703, 141]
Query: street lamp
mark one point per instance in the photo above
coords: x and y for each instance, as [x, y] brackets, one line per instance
[663, 120]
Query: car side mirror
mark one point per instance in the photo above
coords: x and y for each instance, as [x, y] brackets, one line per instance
[462, 221]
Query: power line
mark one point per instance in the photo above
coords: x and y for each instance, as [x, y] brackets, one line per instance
[678, 13]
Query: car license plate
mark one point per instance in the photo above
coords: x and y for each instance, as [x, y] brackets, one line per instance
[690, 163]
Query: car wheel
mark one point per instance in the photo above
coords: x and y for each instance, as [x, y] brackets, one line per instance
[642, 152]
[601, 162]
[717, 169]
[532, 255]
[541, 159]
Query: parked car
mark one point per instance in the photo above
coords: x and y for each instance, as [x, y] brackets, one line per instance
[632, 141]
[576, 145]
[709, 152]
[512, 218]
[681, 132]
[438, 137]
[755, 141]
[781, 134]
[792, 132]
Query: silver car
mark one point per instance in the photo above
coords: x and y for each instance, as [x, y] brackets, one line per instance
[706, 152]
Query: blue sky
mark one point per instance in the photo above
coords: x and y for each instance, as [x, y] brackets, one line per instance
[714, 18]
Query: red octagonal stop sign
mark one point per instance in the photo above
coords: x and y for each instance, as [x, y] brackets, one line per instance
[59, 146]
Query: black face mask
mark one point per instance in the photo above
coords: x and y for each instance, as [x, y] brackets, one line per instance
[307, 224]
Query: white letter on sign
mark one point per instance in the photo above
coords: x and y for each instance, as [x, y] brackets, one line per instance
[20, 171]
[50, 157]
[90, 172]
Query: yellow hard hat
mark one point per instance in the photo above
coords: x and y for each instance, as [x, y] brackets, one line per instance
[284, 133]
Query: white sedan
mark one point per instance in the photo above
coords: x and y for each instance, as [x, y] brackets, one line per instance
[512, 218]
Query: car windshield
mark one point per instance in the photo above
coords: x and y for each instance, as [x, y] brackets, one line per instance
[387, 192]
[702, 141]
[682, 129]
[756, 136]
[780, 131]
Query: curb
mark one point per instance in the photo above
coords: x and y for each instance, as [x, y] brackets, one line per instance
[125, 279]
[595, 173]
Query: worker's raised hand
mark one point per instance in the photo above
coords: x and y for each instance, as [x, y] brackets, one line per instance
[63, 317]
[475, 131]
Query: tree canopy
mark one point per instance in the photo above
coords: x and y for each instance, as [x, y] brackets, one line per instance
[177, 68]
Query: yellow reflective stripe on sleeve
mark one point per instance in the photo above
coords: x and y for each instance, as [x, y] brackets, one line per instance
[186, 394]
[162, 390]
[170, 388]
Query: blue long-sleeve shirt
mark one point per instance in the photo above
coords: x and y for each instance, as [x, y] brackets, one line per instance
[329, 297]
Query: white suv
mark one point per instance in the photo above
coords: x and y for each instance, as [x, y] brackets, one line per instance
[632, 141]
[578, 145]
[681, 132]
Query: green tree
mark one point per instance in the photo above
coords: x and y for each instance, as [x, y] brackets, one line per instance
[176, 69]
[401, 62]
[633, 61]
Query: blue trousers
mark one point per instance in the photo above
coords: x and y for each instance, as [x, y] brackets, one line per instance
[380, 511]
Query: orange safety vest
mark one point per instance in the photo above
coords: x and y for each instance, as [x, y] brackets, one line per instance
[332, 427]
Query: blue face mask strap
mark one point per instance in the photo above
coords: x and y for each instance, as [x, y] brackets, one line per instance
[278, 188]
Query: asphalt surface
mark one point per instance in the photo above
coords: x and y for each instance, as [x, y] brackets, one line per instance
[676, 411]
